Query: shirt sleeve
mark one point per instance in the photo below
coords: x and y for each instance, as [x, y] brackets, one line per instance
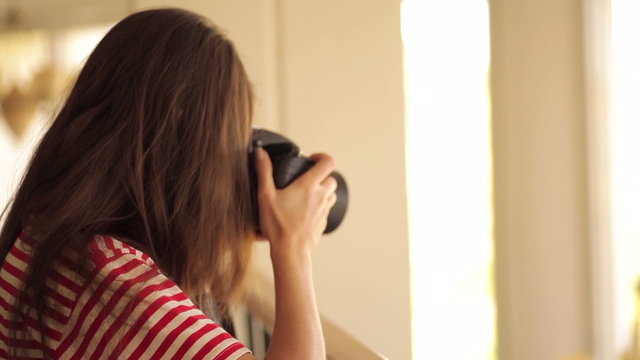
[133, 311]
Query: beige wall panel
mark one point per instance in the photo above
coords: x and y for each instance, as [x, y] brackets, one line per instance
[540, 185]
[343, 94]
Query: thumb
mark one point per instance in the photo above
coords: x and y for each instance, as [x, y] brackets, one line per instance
[264, 170]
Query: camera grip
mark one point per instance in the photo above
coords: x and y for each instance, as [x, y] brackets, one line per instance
[288, 169]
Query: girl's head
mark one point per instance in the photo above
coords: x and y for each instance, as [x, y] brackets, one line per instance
[150, 146]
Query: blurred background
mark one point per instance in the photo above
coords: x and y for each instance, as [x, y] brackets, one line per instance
[492, 149]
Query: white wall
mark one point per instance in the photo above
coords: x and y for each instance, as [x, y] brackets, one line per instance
[343, 94]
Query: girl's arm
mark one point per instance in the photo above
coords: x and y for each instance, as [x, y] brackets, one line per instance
[293, 219]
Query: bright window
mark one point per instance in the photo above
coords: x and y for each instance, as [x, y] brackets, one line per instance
[624, 140]
[446, 55]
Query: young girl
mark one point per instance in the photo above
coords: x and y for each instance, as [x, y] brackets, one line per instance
[137, 210]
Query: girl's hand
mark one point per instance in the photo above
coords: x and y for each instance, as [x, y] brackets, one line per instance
[294, 218]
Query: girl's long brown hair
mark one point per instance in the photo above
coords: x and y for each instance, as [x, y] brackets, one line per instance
[151, 147]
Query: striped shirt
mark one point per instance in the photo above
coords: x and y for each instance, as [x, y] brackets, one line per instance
[127, 309]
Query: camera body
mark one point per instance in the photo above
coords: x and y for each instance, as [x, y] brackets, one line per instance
[288, 165]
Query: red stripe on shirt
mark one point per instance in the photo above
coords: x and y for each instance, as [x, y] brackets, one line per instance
[106, 311]
[21, 255]
[211, 344]
[65, 281]
[23, 343]
[93, 300]
[30, 321]
[161, 324]
[228, 351]
[115, 326]
[191, 340]
[18, 273]
[58, 297]
[173, 335]
[150, 310]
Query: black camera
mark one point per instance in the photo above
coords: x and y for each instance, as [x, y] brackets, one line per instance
[288, 165]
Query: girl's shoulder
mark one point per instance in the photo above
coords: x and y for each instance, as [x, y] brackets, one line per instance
[125, 308]
[105, 248]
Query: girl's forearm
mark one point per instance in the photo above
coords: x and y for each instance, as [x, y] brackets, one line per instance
[297, 332]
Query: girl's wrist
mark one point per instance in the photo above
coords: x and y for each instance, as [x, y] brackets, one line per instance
[294, 256]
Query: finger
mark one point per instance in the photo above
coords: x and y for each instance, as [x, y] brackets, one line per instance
[332, 199]
[264, 170]
[326, 210]
[327, 205]
[321, 169]
[330, 184]
[316, 157]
